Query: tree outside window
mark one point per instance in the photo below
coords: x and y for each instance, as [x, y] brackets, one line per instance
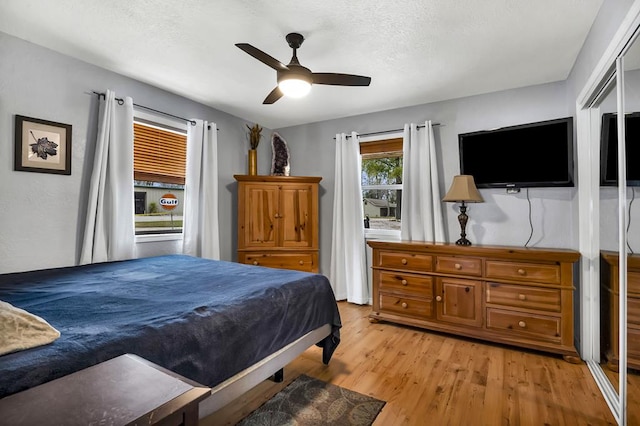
[382, 183]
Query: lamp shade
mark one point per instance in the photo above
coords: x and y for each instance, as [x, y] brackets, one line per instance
[463, 189]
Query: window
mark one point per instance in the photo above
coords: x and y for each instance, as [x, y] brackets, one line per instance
[382, 184]
[159, 164]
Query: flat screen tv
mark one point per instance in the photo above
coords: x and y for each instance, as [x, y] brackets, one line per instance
[528, 155]
[609, 149]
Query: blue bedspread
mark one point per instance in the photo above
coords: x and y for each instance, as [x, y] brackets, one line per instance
[206, 320]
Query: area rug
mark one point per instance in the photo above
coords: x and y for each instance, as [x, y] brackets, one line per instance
[309, 401]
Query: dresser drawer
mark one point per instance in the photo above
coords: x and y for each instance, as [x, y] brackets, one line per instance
[405, 260]
[522, 296]
[538, 272]
[406, 306]
[633, 310]
[633, 282]
[296, 261]
[407, 284]
[459, 265]
[633, 346]
[538, 326]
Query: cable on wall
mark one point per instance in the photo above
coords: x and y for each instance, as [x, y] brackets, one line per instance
[633, 197]
[530, 221]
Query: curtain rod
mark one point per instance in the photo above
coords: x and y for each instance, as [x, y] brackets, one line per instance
[382, 132]
[121, 102]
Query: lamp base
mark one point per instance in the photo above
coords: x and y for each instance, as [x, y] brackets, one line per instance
[463, 242]
[462, 218]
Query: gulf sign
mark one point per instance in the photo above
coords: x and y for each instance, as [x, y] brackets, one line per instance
[168, 201]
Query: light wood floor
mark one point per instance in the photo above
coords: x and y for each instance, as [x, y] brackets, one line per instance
[429, 378]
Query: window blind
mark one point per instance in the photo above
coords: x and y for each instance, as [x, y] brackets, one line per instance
[158, 155]
[382, 148]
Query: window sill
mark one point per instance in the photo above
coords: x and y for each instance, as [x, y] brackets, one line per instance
[381, 234]
[152, 238]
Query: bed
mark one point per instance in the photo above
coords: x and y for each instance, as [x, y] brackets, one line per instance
[225, 325]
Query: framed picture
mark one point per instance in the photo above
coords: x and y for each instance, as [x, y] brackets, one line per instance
[42, 146]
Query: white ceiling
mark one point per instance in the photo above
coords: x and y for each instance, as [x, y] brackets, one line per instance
[415, 51]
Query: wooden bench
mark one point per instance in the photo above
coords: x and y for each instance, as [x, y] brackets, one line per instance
[126, 390]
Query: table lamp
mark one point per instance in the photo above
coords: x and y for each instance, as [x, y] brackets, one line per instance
[463, 190]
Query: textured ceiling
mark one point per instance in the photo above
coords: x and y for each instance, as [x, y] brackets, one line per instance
[415, 51]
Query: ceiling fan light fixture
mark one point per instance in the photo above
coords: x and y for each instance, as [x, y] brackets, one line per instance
[294, 80]
[294, 86]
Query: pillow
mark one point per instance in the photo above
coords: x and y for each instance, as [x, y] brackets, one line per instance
[21, 330]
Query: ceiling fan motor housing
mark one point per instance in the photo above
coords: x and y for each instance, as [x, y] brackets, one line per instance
[295, 40]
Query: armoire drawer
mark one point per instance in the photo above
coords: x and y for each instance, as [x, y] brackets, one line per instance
[296, 261]
[523, 296]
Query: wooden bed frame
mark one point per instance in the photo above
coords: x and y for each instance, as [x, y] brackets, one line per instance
[240, 383]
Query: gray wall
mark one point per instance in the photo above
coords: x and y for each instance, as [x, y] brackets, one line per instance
[503, 218]
[611, 14]
[42, 215]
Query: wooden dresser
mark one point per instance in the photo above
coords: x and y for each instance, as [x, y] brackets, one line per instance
[518, 296]
[609, 312]
[278, 221]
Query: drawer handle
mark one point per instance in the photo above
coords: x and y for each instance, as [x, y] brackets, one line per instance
[255, 262]
[522, 272]
[439, 298]
[522, 324]
[403, 282]
[457, 266]
[404, 261]
[404, 305]
[522, 297]
[300, 262]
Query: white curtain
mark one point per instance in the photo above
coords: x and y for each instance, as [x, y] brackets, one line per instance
[109, 229]
[348, 274]
[200, 226]
[421, 214]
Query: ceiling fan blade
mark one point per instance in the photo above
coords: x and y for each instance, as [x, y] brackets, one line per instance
[263, 57]
[340, 79]
[273, 96]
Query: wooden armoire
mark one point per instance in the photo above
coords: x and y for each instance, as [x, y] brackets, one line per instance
[278, 221]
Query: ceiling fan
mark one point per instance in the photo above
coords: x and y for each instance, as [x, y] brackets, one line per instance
[294, 80]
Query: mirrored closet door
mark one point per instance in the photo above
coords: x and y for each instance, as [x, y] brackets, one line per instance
[609, 130]
[629, 216]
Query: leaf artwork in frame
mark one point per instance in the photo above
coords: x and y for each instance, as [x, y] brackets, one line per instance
[42, 146]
